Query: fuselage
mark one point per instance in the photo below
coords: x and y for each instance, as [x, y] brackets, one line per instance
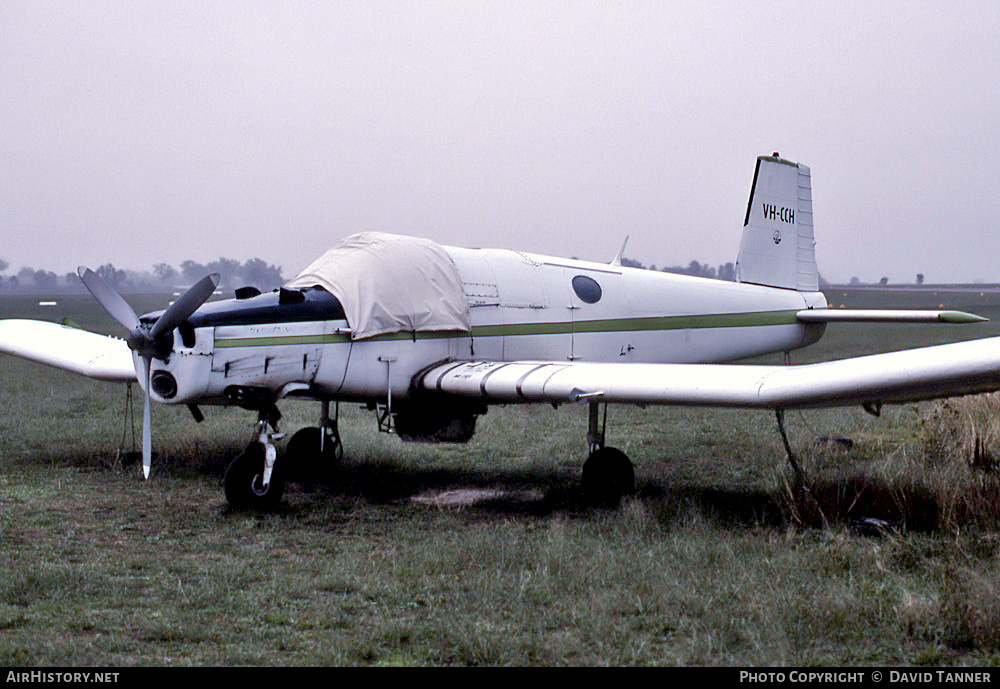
[522, 307]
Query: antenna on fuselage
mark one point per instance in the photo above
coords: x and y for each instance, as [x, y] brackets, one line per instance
[617, 260]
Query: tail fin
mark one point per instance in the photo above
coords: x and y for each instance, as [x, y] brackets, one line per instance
[778, 248]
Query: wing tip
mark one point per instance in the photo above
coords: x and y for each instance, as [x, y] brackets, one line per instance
[961, 317]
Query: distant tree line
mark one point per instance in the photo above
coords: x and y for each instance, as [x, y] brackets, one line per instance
[163, 276]
[725, 271]
[856, 282]
[260, 274]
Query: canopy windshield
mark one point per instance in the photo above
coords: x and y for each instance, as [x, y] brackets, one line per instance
[391, 283]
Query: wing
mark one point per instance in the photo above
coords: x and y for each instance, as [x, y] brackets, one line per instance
[78, 351]
[925, 373]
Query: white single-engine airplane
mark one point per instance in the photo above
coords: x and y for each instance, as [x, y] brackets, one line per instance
[431, 335]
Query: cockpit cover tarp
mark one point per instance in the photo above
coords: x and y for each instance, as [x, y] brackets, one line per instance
[390, 283]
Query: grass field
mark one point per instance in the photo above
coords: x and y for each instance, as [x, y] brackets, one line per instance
[716, 561]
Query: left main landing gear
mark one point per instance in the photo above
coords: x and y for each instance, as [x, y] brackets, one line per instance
[608, 474]
[315, 449]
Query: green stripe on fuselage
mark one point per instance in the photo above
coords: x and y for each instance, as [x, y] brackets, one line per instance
[272, 340]
[612, 325]
[714, 320]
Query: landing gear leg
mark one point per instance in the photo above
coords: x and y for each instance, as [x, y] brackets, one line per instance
[780, 413]
[123, 455]
[329, 441]
[800, 475]
[607, 474]
[596, 426]
[255, 480]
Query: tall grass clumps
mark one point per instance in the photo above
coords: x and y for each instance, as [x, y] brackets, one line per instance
[959, 441]
[946, 479]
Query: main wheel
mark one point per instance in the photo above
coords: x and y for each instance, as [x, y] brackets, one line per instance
[303, 458]
[243, 482]
[607, 476]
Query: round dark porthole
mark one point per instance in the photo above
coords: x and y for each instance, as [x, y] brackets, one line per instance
[587, 289]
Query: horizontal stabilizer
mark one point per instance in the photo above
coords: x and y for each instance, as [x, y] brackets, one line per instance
[913, 374]
[71, 349]
[886, 316]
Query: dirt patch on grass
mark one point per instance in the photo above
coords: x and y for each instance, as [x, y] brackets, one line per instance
[466, 497]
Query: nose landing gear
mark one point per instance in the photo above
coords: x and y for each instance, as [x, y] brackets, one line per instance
[255, 480]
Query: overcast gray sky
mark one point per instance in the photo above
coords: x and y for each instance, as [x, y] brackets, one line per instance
[145, 132]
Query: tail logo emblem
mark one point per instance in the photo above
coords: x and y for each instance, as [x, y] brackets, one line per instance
[776, 237]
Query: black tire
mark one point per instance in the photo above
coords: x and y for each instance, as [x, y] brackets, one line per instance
[303, 459]
[243, 481]
[607, 476]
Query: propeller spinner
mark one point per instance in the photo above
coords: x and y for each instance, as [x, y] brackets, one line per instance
[148, 341]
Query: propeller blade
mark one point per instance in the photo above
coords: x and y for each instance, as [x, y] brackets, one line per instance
[107, 297]
[147, 433]
[185, 305]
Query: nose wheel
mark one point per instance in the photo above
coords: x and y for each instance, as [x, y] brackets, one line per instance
[244, 482]
[255, 480]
